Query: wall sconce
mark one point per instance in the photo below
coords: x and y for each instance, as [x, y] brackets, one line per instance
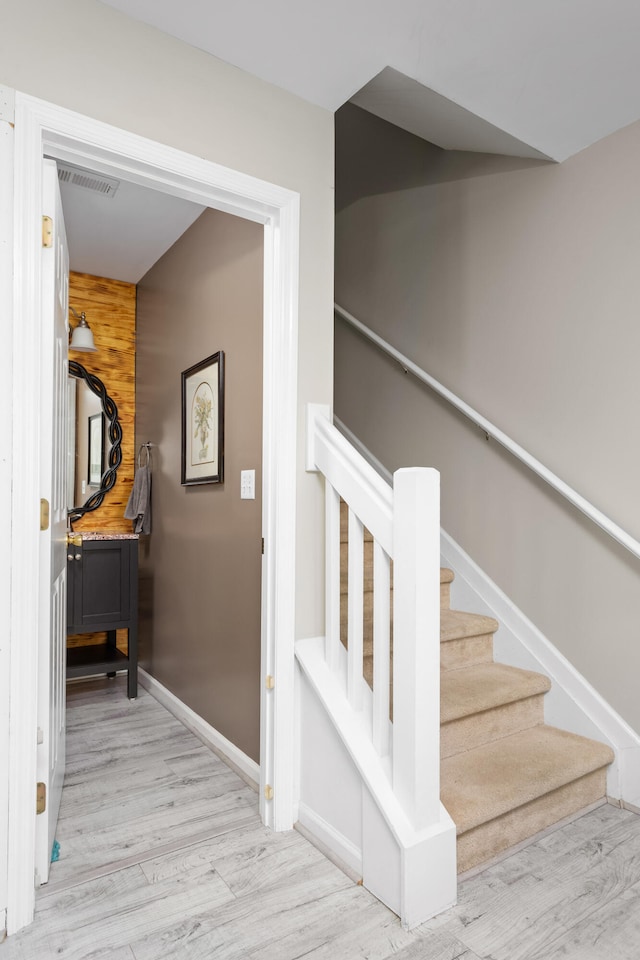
[82, 337]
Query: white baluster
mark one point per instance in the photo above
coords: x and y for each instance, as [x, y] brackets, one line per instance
[332, 577]
[355, 612]
[381, 648]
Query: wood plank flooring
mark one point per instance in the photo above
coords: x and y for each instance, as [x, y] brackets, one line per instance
[163, 855]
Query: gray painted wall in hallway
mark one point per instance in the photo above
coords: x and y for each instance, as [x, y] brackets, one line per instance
[201, 567]
[515, 283]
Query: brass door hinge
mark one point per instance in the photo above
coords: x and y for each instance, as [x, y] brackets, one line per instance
[47, 232]
[41, 797]
[269, 682]
[268, 792]
[44, 514]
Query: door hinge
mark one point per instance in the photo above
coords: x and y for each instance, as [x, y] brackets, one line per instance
[41, 797]
[269, 682]
[40, 736]
[47, 232]
[268, 792]
[44, 514]
[263, 546]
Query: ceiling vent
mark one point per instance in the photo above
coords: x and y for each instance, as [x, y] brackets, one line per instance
[87, 180]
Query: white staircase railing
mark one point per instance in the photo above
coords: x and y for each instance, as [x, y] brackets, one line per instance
[405, 525]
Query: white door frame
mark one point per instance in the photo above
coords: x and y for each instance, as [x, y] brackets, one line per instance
[44, 127]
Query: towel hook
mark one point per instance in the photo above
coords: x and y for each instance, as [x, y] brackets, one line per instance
[147, 448]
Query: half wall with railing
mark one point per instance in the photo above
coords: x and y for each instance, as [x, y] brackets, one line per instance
[369, 786]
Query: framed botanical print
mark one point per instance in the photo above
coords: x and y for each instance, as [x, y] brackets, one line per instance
[203, 421]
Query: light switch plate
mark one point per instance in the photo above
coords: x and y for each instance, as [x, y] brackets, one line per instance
[247, 484]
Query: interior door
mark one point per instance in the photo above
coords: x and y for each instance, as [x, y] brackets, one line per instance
[53, 545]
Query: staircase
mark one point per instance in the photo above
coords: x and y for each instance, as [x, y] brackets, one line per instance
[505, 774]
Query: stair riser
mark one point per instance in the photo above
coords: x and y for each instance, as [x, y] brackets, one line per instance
[464, 734]
[445, 596]
[367, 567]
[445, 593]
[445, 588]
[367, 600]
[487, 841]
[462, 652]
[367, 617]
[466, 651]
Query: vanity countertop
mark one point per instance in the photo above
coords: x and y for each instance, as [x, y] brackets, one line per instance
[107, 535]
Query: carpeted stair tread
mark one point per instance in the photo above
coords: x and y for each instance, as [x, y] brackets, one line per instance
[485, 783]
[475, 689]
[456, 625]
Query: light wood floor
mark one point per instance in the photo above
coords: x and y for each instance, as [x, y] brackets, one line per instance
[163, 856]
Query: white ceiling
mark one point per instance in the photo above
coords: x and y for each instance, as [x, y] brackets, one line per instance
[551, 75]
[534, 78]
[123, 235]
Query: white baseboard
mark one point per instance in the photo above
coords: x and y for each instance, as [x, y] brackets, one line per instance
[332, 844]
[572, 703]
[228, 751]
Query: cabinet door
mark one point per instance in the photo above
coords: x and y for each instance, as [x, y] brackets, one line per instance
[103, 584]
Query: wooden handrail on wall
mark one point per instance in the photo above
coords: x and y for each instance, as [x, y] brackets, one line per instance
[581, 503]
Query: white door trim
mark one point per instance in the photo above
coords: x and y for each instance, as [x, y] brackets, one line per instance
[44, 127]
[7, 117]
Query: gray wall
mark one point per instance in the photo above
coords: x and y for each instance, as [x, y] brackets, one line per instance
[515, 283]
[201, 566]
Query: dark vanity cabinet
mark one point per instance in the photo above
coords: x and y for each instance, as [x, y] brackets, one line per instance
[102, 595]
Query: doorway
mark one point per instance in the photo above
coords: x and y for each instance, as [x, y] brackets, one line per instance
[44, 128]
[200, 571]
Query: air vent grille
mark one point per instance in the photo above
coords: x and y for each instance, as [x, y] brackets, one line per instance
[87, 180]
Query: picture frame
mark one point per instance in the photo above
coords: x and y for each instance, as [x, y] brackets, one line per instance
[203, 421]
[95, 450]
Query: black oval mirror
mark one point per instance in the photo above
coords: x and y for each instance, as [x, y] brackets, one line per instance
[110, 454]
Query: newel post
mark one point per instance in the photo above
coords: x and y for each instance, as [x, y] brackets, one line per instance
[416, 644]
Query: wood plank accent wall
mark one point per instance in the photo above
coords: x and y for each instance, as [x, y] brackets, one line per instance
[110, 306]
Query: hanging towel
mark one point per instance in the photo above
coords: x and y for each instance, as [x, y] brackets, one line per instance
[138, 508]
